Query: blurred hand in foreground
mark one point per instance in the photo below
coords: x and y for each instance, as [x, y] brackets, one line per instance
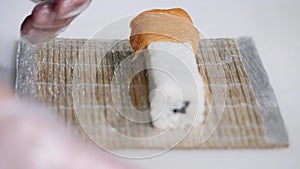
[33, 139]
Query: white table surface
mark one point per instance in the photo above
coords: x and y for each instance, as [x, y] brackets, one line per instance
[275, 27]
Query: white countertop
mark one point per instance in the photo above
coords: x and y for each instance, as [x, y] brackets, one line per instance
[273, 24]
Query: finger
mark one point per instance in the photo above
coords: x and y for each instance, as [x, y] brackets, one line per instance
[50, 18]
[39, 35]
[70, 8]
[44, 16]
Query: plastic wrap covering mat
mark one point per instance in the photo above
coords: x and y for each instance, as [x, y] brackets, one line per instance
[83, 82]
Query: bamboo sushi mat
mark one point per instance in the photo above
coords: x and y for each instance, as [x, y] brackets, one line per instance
[73, 78]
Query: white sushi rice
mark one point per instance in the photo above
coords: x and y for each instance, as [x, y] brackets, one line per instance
[176, 87]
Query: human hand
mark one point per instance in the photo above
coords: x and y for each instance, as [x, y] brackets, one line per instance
[51, 17]
[32, 138]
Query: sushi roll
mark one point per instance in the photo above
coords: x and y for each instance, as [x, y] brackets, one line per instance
[176, 87]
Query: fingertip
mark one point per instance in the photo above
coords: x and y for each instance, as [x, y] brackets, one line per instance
[36, 35]
[25, 26]
[50, 18]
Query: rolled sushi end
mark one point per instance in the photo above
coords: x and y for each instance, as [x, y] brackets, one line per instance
[176, 87]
